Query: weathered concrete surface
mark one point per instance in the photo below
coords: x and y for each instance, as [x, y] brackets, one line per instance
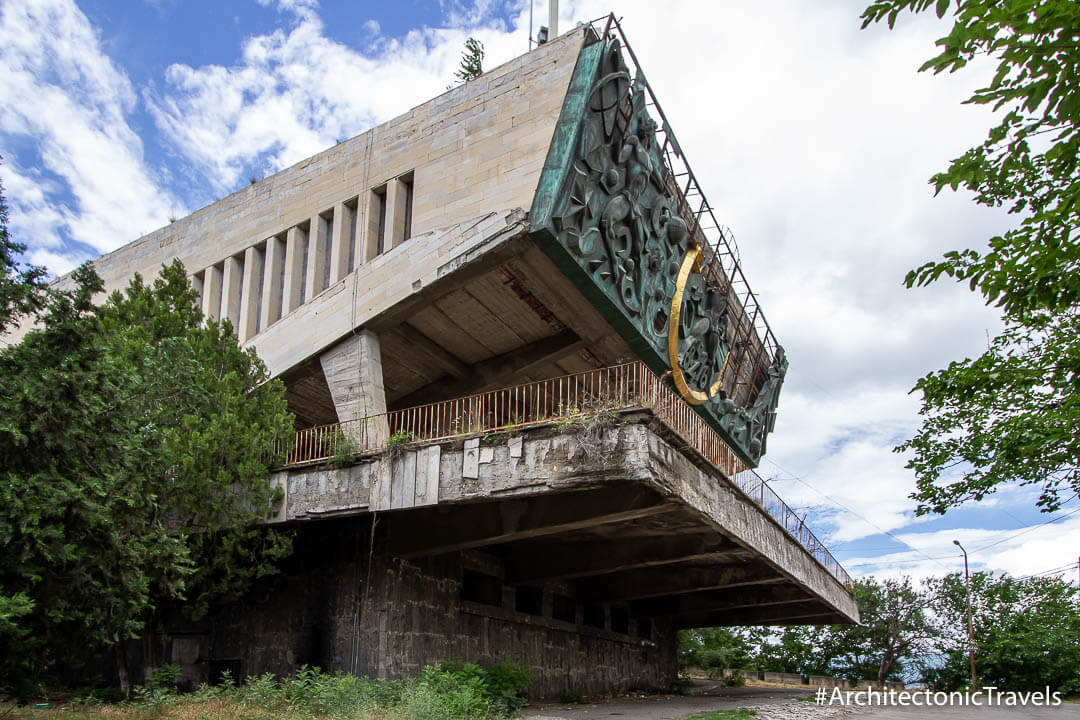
[629, 472]
[578, 552]
[343, 606]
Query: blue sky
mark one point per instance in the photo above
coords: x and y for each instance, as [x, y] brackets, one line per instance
[812, 138]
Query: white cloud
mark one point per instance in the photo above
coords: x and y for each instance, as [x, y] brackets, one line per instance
[294, 92]
[67, 97]
[1022, 551]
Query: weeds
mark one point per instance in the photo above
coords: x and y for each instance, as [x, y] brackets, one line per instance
[445, 691]
[396, 443]
[345, 450]
[570, 697]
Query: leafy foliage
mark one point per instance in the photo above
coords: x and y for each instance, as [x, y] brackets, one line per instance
[22, 289]
[132, 452]
[895, 629]
[1027, 633]
[711, 648]
[1010, 415]
[472, 61]
[1027, 636]
[805, 649]
[444, 691]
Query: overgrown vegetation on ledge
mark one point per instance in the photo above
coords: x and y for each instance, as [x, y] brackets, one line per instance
[445, 691]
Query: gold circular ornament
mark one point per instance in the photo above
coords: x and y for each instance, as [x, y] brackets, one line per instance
[691, 263]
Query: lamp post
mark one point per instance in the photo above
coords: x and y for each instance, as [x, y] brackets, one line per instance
[971, 631]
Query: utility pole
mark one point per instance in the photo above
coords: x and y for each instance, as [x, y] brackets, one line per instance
[971, 630]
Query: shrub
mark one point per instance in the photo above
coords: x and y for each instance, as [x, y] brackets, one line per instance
[345, 449]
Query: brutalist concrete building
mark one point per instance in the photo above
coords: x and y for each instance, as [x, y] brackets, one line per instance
[513, 314]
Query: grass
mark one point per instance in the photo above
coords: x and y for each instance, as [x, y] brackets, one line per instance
[445, 691]
[742, 714]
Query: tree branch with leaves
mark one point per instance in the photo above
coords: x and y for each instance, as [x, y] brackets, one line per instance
[1011, 415]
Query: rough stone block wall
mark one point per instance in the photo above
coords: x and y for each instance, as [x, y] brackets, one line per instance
[390, 618]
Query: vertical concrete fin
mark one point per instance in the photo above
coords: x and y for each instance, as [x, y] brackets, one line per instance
[230, 291]
[371, 242]
[211, 299]
[250, 294]
[316, 257]
[395, 214]
[341, 242]
[272, 285]
[293, 293]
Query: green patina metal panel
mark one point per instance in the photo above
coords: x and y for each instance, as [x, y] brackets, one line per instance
[606, 211]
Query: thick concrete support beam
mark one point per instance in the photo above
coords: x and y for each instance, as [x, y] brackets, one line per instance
[810, 613]
[341, 241]
[353, 371]
[250, 294]
[499, 371]
[479, 524]
[272, 285]
[655, 582]
[554, 560]
[421, 344]
[295, 250]
[316, 258]
[233, 278]
[761, 596]
[211, 293]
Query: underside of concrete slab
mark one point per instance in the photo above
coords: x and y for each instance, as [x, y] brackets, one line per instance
[577, 549]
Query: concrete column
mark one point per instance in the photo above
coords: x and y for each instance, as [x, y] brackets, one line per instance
[211, 296]
[353, 371]
[230, 292]
[316, 258]
[394, 232]
[341, 241]
[271, 286]
[250, 295]
[370, 242]
[292, 295]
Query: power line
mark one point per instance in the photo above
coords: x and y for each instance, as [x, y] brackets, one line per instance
[900, 562]
[1030, 529]
[1052, 571]
[865, 520]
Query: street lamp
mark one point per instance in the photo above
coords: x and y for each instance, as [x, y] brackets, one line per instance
[971, 631]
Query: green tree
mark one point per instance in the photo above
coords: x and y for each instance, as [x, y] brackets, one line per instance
[1011, 415]
[713, 648]
[1027, 633]
[894, 628]
[802, 649]
[134, 456]
[472, 61]
[22, 288]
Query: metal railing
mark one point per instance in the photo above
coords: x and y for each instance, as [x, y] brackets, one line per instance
[571, 400]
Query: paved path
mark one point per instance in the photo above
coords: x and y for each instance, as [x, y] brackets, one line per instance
[706, 696]
[775, 703]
